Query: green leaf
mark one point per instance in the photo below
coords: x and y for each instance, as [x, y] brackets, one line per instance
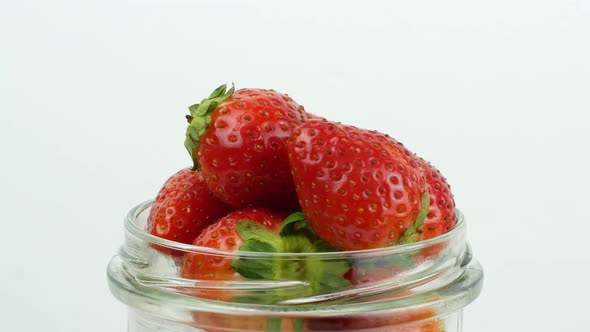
[200, 118]
[230, 91]
[220, 91]
[328, 274]
[250, 230]
[298, 324]
[273, 325]
[193, 109]
[408, 236]
[297, 224]
[298, 243]
[287, 226]
[296, 236]
[405, 261]
[255, 268]
[424, 212]
[256, 245]
[256, 239]
[203, 109]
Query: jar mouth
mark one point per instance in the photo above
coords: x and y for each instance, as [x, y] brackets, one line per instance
[441, 276]
[444, 300]
[132, 225]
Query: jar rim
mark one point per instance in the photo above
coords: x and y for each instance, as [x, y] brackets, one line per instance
[132, 227]
[446, 283]
[448, 298]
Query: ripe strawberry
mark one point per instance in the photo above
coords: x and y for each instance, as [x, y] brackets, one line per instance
[225, 235]
[263, 230]
[423, 319]
[359, 189]
[239, 140]
[183, 208]
[412, 320]
[259, 230]
[441, 216]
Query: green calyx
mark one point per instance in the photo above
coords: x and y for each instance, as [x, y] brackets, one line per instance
[256, 239]
[199, 119]
[410, 235]
[295, 236]
[296, 224]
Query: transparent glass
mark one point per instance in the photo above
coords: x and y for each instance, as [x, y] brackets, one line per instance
[417, 287]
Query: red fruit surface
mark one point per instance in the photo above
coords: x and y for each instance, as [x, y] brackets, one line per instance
[224, 235]
[411, 320]
[243, 152]
[359, 189]
[183, 208]
[441, 216]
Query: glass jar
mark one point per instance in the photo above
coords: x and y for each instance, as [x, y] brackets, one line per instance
[417, 287]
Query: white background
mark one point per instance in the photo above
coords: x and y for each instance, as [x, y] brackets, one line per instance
[496, 94]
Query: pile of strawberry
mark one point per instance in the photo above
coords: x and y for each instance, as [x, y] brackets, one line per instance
[268, 176]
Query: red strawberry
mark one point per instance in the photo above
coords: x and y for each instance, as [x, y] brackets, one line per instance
[263, 231]
[224, 235]
[183, 208]
[239, 140]
[441, 216]
[412, 320]
[423, 319]
[359, 189]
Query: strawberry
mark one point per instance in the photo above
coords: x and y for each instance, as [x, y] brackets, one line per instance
[359, 189]
[239, 140]
[264, 231]
[225, 235]
[441, 216]
[412, 320]
[183, 208]
[421, 319]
